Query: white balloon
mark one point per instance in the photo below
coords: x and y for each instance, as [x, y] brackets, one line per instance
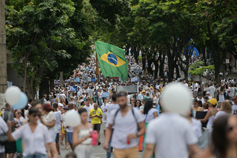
[12, 95]
[72, 118]
[176, 97]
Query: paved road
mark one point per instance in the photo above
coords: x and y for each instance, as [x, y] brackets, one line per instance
[99, 152]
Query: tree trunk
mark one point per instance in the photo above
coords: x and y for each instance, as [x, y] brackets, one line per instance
[162, 59]
[171, 65]
[186, 75]
[149, 58]
[30, 88]
[44, 87]
[51, 86]
[217, 71]
[177, 71]
[156, 68]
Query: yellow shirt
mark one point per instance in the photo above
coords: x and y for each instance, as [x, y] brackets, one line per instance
[1, 113]
[98, 112]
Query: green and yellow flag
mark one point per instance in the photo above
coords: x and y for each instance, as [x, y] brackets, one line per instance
[112, 60]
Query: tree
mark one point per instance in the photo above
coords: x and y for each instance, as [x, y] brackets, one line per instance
[46, 37]
[220, 20]
[197, 69]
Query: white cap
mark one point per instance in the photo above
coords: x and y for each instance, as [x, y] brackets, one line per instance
[60, 104]
[208, 93]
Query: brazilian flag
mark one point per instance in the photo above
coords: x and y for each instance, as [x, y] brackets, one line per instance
[112, 60]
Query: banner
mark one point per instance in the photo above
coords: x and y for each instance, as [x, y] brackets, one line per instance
[105, 94]
[84, 76]
[77, 79]
[73, 88]
[129, 89]
[92, 79]
[134, 79]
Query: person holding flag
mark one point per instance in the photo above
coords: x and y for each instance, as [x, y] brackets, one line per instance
[112, 60]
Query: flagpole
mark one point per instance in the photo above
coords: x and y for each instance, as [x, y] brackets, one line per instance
[97, 66]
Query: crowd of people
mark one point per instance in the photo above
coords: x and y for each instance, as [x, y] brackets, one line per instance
[131, 123]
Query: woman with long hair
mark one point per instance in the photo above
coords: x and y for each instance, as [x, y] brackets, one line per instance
[82, 141]
[49, 120]
[149, 113]
[210, 114]
[138, 104]
[221, 94]
[224, 139]
[18, 118]
[34, 137]
[226, 108]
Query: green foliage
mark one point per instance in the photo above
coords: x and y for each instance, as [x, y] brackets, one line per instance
[197, 68]
[55, 36]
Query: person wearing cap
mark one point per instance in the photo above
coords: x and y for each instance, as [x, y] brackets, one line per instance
[60, 107]
[208, 95]
[210, 114]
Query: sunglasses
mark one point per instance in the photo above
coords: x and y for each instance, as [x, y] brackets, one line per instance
[18, 112]
[34, 115]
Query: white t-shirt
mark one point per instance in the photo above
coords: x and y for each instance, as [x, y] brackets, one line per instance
[3, 130]
[104, 116]
[123, 126]
[110, 107]
[88, 112]
[232, 91]
[234, 108]
[196, 127]
[173, 136]
[58, 120]
[33, 142]
[20, 122]
[49, 118]
[150, 115]
[219, 114]
[212, 90]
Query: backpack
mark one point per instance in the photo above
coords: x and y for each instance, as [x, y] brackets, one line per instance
[133, 113]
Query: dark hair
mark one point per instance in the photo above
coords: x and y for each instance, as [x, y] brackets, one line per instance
[148, 105]
[47, 107]
[35, 103]
[219, 140]
[80, 111]
[87, 99]
[199, 103]
[71, 155]
[55, 105]
[136, 103]
[33, 110]
[122, 94]
[30, 100]
[114, 96]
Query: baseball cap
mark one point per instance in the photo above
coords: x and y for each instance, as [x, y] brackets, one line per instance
[208, 93]
[143, 91]
[60, 104]
[213, 101]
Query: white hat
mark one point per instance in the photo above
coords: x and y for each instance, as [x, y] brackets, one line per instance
[60, 104]
[208, 93]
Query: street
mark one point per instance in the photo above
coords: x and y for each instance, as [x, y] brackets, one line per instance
[98, 150]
